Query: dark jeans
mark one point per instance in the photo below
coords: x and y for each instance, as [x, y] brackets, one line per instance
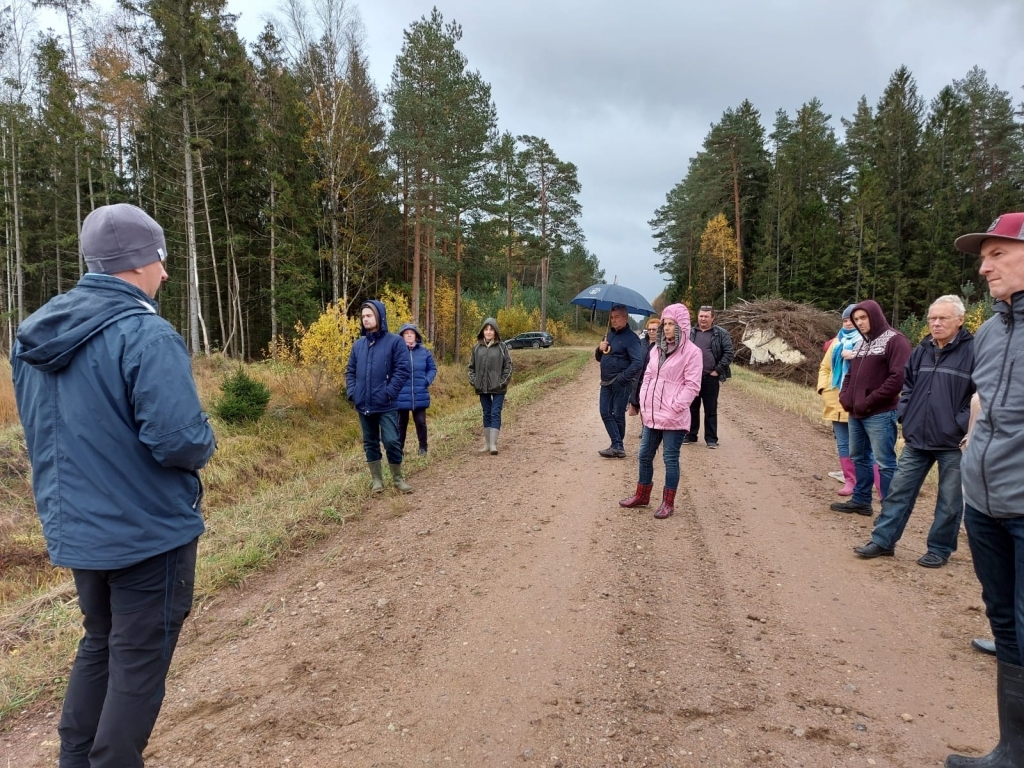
[132, 618]
[381, 428]
[649, 442]
[491, 406]
[906, 485]
[997, 548]
[709, 386]
[613, 402]
[873, 437]
[419, 418]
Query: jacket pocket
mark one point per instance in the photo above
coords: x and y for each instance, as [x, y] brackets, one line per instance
[198, 495]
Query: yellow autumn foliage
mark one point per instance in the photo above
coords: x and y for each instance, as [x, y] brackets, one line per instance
[515, 320]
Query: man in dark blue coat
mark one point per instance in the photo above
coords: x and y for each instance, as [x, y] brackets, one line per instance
[620, 355]
[934, 409]
[378, 369]
[116, 437]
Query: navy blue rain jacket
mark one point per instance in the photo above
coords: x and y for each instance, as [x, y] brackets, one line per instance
[115, 432]
[935, 404]
[416, 394]
[378, 367]
[622, 362]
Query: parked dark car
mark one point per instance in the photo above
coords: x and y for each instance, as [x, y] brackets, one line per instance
[535, 339]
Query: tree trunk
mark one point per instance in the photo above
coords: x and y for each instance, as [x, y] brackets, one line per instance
[739, 236]
[194, 315]
[273, 268]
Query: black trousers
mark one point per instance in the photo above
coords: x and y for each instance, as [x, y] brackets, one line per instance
[419, 418]
[709, 397]
[133, 617]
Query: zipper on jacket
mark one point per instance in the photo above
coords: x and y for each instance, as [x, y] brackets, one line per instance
[1002, 369]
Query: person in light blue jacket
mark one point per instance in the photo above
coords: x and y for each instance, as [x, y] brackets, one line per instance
[116, 438]
[415, 396]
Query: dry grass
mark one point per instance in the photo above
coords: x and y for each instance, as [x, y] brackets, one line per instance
[785, 395]
[273, 488]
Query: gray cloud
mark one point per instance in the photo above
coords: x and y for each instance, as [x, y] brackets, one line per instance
[628, 90]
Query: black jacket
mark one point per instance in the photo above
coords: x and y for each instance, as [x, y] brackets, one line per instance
[634, 397]
[935, 405]
[721, 349]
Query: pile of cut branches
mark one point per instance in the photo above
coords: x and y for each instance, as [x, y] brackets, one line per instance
[802, 327]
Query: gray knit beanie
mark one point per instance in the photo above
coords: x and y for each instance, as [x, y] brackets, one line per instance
[120, 237]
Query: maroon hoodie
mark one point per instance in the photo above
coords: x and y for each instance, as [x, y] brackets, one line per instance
[876, 372]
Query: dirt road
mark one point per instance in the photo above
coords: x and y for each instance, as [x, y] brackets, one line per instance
[510, 613]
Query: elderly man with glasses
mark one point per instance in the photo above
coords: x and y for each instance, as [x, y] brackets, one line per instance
[934, 409]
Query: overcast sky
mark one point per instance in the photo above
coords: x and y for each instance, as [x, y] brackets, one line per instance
[627, 89]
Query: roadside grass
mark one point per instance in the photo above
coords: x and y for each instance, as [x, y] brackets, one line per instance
[273, 488]
[785, 395]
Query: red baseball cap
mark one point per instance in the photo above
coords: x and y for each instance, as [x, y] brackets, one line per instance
[1009, 226]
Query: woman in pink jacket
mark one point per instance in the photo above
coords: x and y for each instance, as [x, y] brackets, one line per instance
[671, 381]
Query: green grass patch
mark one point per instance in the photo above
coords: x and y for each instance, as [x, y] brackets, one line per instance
[273, 488]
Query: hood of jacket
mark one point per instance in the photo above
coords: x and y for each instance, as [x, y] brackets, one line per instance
[382, 317]
[879, 324]
[411, 327]
[494, 324]
[51, 336]
[681, 315]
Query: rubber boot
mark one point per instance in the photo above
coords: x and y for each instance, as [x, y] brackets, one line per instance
[494, 441]
[850, 475]
[668, 501]
[487, 441]
[878, 483]
[398, 480]
[378, 477]
[1009, 752]
[641, 498]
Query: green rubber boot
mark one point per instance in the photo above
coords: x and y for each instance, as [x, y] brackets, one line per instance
[396, 476]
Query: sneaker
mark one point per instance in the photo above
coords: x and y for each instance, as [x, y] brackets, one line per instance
[851, 506]
[871, 549]
[608, 453]
[423, 451]
[713, 444]
[689, 439]
[931, 560]
[619, 453]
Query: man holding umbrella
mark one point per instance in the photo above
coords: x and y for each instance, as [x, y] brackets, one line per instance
[620, 355]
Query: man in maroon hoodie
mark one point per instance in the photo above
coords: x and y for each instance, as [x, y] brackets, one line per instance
[870, 394]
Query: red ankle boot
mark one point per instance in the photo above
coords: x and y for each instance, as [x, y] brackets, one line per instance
[668, 500]
[641, 498]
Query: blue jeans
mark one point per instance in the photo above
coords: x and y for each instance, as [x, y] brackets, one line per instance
[378, 428]
[491, 406]
[873, 435]
[906, 484]
[649, 442]
[614, 399]
[842, 432]
[132, 619]
[997, 548]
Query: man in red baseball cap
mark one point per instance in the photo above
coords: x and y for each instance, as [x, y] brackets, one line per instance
[993, 474]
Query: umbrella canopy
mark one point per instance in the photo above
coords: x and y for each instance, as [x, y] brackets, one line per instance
[604, 296]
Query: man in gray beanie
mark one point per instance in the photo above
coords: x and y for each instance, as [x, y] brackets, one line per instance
[116, 437]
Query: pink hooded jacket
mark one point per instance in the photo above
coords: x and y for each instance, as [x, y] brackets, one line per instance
[671, 382]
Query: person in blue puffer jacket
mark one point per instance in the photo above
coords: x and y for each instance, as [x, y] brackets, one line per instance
[116, 438]
[378, 370]
[415, 396]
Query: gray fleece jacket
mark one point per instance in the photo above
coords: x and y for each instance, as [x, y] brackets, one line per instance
[993, 465]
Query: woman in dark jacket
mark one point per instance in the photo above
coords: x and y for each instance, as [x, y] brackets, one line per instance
[490, 369]
[415, 396]
[651, 332]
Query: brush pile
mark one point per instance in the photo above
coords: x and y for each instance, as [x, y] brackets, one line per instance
[779, 338]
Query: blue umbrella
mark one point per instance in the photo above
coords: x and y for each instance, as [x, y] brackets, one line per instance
[604, 296]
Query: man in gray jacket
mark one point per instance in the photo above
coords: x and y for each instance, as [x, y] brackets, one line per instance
[116, 438]
[993, 471]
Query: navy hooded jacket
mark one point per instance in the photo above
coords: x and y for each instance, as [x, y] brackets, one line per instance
[114, 428]
[416, 394]
[378, 367]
